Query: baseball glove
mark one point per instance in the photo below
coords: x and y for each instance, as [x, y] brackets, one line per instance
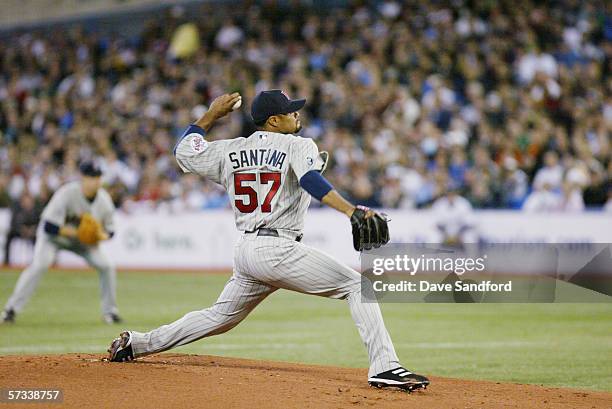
[90, 230]
[370, 229]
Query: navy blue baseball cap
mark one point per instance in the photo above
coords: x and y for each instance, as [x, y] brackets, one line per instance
[273, 102]
[90, 169]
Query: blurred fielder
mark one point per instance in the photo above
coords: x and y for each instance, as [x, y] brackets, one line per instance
[78, 216]
[270, 177]
[454, 219]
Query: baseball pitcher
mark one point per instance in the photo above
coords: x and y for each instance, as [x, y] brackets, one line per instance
[78, 216]
[270, 178]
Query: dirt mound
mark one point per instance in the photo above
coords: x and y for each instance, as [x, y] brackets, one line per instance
[196, 381]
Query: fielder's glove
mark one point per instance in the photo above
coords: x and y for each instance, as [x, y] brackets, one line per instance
[90, 230]
[370, 229]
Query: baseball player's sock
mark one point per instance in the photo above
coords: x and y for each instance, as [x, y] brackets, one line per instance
[400, 378]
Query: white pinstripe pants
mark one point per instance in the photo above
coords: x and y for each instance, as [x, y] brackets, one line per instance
[45, 251]
[261, 266]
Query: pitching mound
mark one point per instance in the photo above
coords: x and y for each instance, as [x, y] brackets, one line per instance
[195, 381]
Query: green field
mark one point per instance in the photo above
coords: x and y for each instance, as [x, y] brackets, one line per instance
[552, 344]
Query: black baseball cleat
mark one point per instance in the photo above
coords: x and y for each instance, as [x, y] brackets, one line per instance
[120, 349]
[8, 316]
[112, 318]
[399, 378]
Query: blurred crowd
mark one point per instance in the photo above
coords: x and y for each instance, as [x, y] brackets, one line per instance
[508, 103]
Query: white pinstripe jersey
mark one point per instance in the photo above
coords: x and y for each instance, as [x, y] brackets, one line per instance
[68, 204]
[261, 174]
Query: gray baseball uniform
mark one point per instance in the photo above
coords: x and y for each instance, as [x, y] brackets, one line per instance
[65, 208]
[261, 175]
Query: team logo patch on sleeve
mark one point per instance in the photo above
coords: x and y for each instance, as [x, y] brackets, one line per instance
[198, 144]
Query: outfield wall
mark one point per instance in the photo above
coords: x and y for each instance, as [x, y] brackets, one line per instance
[206, 240]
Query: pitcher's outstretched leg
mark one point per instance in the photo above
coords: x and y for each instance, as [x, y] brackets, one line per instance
[239, 297]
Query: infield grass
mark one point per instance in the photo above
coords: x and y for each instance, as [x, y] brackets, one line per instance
[566, 345]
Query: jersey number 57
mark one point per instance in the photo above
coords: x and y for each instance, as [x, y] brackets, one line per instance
[245, 190]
